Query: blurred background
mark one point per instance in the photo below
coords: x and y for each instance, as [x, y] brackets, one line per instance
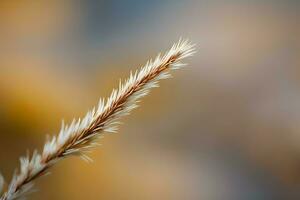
[225, 128]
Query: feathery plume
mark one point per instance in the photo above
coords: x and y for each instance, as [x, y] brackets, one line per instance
[82, 135]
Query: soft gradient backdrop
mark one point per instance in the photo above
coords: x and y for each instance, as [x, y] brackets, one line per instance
[225, 128]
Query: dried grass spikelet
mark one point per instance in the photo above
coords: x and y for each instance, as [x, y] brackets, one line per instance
[82, 135]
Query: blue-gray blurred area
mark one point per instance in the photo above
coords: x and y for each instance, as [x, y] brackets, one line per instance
[224, 128]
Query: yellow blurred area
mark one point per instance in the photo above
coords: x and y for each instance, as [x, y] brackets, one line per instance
[31, 18]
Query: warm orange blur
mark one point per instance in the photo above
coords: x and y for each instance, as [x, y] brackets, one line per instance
[226, 127]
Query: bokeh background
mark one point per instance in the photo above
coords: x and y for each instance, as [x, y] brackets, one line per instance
[225, 128]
